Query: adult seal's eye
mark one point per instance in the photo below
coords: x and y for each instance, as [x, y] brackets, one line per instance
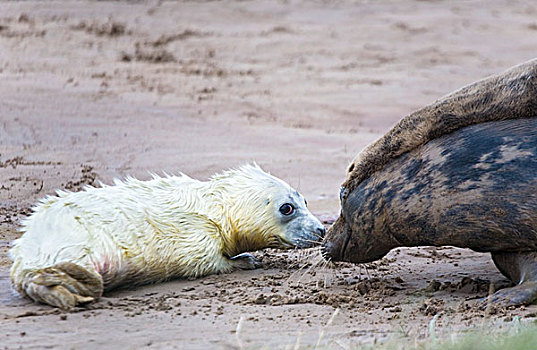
[287, 209]
[343, 193]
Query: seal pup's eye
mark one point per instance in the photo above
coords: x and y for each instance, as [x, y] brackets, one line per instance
[287, 209]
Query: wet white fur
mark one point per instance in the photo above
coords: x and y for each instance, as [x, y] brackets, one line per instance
[175, 226]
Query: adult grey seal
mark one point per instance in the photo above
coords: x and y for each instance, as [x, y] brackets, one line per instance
[460, 172]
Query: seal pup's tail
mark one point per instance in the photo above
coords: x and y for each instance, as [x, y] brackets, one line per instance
[64, 285]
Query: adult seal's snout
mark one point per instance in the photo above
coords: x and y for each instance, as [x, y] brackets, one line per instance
[335, 241]
[326, 250]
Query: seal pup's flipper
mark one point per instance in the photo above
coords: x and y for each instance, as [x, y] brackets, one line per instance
[64, 285]
[245, 261]
[521, 268]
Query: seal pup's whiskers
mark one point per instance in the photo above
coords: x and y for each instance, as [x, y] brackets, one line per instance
[313, 261]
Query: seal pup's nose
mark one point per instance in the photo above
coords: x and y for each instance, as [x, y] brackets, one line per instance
[321, 231]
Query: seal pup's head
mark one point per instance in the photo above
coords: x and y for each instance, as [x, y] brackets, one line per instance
[262, 211]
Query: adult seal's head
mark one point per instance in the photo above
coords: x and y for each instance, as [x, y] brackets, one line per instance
[459, 172]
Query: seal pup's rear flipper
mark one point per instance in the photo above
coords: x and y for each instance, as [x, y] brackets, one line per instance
[64, 285]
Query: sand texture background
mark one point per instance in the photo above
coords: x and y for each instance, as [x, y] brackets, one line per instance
[92, 90]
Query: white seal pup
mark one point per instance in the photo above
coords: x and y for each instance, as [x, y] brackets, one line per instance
[78, 244]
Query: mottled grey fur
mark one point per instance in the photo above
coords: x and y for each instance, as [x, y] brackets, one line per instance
[509, 95]
[475, 188]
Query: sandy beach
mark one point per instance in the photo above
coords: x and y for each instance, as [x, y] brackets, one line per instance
[96, 90]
